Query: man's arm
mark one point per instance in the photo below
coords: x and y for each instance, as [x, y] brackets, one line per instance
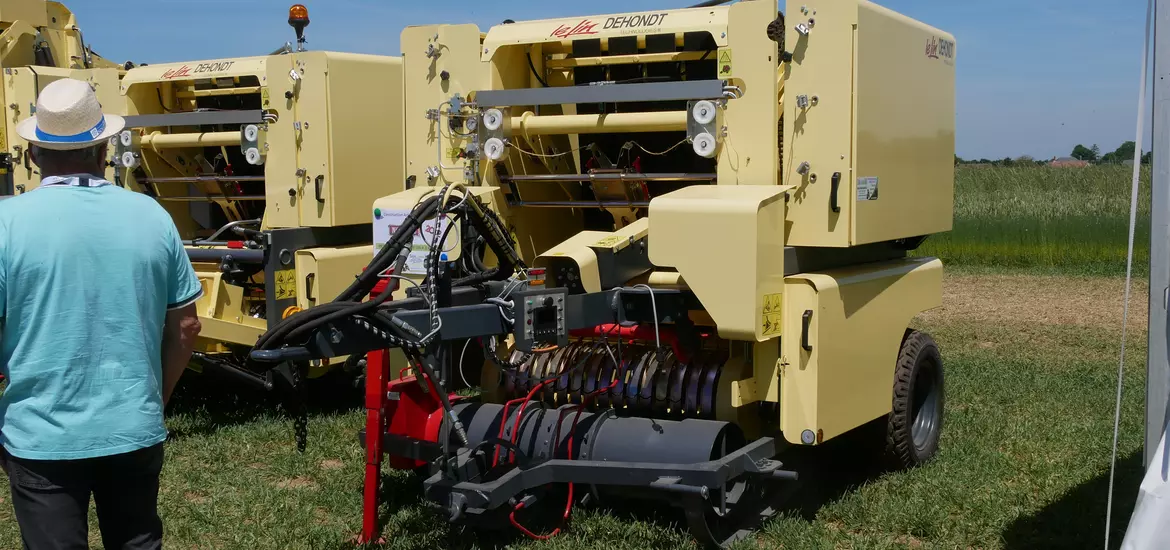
[179, 333]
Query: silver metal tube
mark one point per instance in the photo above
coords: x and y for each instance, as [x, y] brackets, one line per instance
[218, 254]
[227, 227]
[221, 197]
[611, 177]
[205, 179]
[583, 204]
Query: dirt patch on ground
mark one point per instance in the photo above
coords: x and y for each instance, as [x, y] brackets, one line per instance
[1033, 299]
[195, 498]
[332, 464]
[296, 483]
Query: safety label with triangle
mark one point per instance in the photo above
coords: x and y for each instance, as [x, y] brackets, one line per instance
[725, 63]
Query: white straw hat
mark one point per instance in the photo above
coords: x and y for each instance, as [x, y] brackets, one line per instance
[69, 116]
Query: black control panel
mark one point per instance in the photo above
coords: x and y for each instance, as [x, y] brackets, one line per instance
[540, 318]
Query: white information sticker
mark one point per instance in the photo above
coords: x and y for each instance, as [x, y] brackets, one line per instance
[387, 222]
[867, 189]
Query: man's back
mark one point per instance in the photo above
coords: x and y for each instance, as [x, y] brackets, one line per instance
[87, 275]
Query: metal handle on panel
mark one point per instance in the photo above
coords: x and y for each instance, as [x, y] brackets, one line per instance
[318, 184]
[805, 322]
[309, 287]
[836, 184]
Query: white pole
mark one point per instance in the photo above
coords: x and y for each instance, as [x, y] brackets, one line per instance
[1158, 363]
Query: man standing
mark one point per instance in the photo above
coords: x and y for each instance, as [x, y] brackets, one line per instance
[97, 305]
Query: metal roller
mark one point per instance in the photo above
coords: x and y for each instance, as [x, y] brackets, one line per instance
[644, 383]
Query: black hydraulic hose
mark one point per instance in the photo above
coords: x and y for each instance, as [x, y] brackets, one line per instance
[362, 285]
[491, 228]
[349, 303]
[368, 278]
[350, 309]
[357, 308]
[451, 416]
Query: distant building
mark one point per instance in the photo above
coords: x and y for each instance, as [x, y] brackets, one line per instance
[1068, 162]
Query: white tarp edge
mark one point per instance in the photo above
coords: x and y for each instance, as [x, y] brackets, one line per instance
[1149, 527]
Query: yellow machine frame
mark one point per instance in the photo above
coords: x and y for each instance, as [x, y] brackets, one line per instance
[827, 170]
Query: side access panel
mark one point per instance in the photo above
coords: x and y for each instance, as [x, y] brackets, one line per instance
[843, 329]
[430, 144]
[365, 136]
[818, 118]
[904, 184]
[727, 242]
[322, 273]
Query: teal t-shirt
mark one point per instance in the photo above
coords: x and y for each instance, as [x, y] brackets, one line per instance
[88, 271]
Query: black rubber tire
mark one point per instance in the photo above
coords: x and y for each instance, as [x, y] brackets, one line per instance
[915, 424]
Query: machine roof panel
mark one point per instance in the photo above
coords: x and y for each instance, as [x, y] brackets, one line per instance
[712, 20]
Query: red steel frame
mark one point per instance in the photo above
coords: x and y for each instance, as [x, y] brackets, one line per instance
[377, 365]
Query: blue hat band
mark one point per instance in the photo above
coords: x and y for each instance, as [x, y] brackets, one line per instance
[88, 135]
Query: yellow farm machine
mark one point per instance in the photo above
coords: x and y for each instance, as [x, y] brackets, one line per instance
[637, 253]
[268, 165]
[40, 42]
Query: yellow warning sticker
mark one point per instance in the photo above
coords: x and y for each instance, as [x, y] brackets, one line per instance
[608, 242]
[724, 63]
[286, 284]
[264, 97]
[772, 318]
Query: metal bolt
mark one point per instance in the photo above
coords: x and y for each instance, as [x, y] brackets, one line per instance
[802, 101]
[803, 168]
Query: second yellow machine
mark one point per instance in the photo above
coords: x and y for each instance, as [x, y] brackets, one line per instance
[267, 165]
[664, 247]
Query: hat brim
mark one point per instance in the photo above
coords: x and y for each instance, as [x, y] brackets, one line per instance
[27, 130]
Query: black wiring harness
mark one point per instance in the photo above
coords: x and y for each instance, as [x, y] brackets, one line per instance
[378, 312]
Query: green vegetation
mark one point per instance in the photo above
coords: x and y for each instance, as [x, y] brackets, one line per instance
[1045, 219]
[1024, 460]
[1024, 463]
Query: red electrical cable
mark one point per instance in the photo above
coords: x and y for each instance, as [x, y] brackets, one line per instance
[569, 499]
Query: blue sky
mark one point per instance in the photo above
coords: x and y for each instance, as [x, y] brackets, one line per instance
[1034, 77]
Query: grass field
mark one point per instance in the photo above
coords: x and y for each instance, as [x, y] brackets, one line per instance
[1056, 220]
[1030, 341]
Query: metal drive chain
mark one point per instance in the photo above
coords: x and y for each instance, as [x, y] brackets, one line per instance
[301, 414]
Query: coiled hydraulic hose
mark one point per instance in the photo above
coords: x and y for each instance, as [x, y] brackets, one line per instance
[350, 301]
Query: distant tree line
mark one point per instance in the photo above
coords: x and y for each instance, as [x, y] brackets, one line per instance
[1091, 155]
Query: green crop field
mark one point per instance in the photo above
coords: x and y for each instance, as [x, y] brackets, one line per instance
[1068, 220]
[1029, 331]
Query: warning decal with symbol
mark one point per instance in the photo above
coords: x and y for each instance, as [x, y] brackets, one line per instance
[772, 315]
[724, 63]
[286, 284]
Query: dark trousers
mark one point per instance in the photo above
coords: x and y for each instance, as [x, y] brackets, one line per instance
[51, 500]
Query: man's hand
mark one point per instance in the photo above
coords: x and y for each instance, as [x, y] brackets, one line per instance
[179, 333]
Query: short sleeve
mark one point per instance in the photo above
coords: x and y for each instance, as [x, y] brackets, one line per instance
[3, 274]
[183, 287]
